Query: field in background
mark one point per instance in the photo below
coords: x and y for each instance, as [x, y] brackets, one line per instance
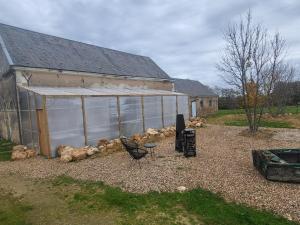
[237, 117]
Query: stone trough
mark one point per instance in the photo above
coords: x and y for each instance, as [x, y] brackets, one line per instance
[278, 164]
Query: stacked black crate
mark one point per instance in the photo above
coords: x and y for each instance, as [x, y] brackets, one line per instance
[189, 142]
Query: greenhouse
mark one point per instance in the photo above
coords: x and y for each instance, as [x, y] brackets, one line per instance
[52, 116]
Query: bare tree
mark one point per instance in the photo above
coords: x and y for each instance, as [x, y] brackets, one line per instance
[252, 63]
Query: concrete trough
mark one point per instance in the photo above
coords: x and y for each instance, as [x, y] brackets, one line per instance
[278, 164]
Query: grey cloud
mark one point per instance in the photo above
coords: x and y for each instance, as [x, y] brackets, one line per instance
[183, 37]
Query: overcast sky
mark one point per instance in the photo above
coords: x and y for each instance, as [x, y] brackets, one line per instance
[183, 37]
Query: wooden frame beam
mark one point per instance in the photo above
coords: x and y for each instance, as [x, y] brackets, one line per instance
[84, 120]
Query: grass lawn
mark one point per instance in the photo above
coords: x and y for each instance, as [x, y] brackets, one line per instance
[263, 123]
[69, 201]
[5, 150]
[236, 117]
[13, 211]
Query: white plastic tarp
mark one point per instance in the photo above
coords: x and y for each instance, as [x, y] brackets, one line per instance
[131, 116]
[153, 112]
[101, 118]
[65, 122]
[183, 106]
[169, 106]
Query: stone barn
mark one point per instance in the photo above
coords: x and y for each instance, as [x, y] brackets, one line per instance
[202, 99]
[57, 91]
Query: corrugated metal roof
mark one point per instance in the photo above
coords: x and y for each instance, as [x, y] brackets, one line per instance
[78, 91]
[193, 88]
[32, 49]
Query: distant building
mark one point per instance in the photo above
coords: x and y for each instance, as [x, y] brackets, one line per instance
[203, 100]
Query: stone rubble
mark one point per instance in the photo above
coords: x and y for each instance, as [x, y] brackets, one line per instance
[20, 152]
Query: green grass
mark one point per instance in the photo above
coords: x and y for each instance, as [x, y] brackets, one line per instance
[263, 123]
[197, 206]
[5, 150]
[12, 211]
[223, 112]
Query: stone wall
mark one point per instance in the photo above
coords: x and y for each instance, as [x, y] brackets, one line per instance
[205, 105]
[73, 79]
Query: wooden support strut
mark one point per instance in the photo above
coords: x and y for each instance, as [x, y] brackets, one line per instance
[19, 115]
[30, 116]
[143, 114]
[162, 111]
[46, 127]
[119, 115]
[84, 120]
[176, 105]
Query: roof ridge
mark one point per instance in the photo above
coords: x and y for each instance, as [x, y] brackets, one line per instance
[93, 45]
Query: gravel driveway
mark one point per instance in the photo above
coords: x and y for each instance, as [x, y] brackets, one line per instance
[223, 165]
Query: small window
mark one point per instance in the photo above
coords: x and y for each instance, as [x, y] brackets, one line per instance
[210, 103]
[201, 103]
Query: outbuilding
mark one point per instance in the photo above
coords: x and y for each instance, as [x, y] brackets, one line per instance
[57, 91]
[202, 99]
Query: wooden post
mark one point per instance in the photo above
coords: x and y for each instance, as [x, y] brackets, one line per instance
[119, 114]
[46, 127]
[162, 111]
[143, 114]
[189, 108]
[176, 104]
[19, 115]
[30, 117]
[84, 120]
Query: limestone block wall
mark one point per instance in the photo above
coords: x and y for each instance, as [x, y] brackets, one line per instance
[73, 79]
[205, 105]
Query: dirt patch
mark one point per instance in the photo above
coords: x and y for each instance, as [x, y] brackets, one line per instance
[47, 205]
[260, 134]
[223, 165]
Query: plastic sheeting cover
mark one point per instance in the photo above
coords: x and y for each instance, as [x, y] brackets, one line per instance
[131, 116]
[183, 106]
[101, 118]
[65, 122]
[30, 135]
[169, 104]
[153, 112]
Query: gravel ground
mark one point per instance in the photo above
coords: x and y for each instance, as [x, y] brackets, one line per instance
[223, 165]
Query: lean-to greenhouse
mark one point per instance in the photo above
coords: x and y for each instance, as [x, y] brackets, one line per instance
[52, 116]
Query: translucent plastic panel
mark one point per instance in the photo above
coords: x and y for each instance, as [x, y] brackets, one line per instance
[101, 118]
[169, 104]
[23, 97]
[27, 138]
[131, 116]
[153, 112]
[25, 118]
[35, 141]
[65, 122]
[183, 106]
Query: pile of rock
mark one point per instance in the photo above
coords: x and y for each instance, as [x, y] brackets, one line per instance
[22, 152]
[69, 153]
[106, 147]
[152, 134]
[196, 122]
